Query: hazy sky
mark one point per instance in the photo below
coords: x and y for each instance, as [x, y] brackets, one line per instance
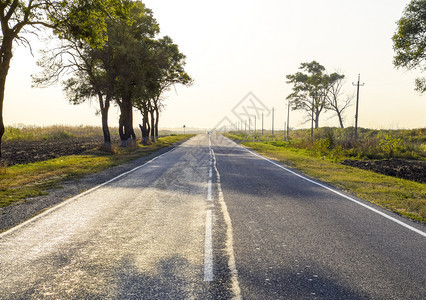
[236, 47]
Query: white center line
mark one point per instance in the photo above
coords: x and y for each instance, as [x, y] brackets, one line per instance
[209, 190]
[235, 285]
[208, 248]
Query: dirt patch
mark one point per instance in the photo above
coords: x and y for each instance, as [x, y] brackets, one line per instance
[414, 170]
[23, 152]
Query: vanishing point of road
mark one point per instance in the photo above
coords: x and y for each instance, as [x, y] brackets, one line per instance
[213, 220]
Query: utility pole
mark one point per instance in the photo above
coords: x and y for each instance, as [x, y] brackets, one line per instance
[312, 119]
[262, 124]
[255, 125]
[357, 101]
[273, 120]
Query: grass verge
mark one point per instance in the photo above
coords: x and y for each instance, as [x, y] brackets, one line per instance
[23, 181]
[403, 197]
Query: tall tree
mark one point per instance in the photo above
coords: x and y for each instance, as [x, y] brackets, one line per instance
[90, 81]
[309, 91]
[409, 41]
[131, 44]
[167, 70]
[85, 20]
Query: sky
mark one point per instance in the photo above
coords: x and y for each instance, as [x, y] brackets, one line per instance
[239, 52]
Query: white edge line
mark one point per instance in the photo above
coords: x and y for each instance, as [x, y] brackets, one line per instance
[48, 211]
[340, 194]
[229, 248]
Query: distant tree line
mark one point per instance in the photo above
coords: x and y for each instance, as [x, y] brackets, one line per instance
[108, 50]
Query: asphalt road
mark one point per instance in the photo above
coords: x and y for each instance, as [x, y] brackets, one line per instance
[295, 239]
[210, 220]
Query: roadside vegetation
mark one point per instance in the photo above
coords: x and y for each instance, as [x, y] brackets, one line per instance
[22, 181]
[322, 158]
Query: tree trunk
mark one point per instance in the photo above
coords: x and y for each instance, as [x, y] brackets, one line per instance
[127, 134]
[317, 114]
[5, 57]
[316, 121]
[152, 126]
[157, 117]
[145, 127]
[104, 106]
[340, 119]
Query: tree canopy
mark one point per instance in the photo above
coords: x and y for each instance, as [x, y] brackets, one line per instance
[409, 41]
[309, 90]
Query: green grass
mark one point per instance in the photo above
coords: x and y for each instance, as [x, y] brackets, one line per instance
[404, 197]
[23, 181]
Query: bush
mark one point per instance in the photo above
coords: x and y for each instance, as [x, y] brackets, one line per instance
[390, 145]
[321, 146]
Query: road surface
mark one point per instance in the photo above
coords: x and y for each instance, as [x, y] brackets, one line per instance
[211, 220]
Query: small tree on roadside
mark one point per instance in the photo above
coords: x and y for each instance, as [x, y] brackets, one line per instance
[309, 91]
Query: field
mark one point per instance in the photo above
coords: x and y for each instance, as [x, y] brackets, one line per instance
[33, 144]
[387, 168]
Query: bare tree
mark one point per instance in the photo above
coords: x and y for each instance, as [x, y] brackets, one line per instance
[334, 101]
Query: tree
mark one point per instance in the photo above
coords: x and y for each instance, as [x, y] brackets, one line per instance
[115, 71]
[84, 61]
[90, 81]
[83, 19]
[309, 91]
[334, 95]
[409, 41]
[166, 70]
[130, 44]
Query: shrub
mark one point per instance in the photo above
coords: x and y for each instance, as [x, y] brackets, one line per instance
[390, 145]
[321, 146]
